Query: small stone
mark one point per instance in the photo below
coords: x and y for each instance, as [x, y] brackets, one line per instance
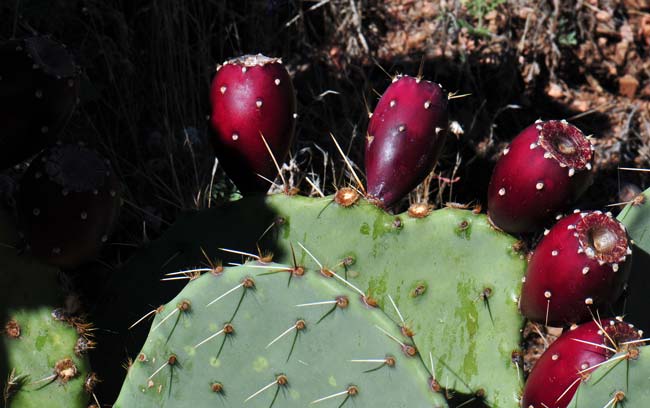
[628, 85]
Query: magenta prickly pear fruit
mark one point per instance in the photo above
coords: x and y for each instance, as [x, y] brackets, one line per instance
[580, 264]
[545, 168]
[39, 86]
[252, 96]
[572, 357]
[405, 136]
[68, 201]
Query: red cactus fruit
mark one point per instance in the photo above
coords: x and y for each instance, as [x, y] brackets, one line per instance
[573, 356]
[545, 168]
[39, 86]
[405, 136]
[68, 201]
[252, 96]
[580, 264]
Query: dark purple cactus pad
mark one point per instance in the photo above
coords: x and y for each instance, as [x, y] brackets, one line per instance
[572, 357]
[252, 96]
[545, 168]
[39, 87]
[581, 264]
[405, 136]
[68, 202]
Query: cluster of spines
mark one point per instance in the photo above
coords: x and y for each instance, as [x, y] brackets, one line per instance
[64, 368]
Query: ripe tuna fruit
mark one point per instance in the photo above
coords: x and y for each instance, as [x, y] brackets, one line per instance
[572, 357]
[545, 168]
[68, 202]
[580, 264]
[252, 96]
[39, 86]
[405, 136]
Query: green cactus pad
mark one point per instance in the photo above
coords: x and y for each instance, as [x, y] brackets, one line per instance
[38, 362]
[621, 382]
[454, 279]
[636, 218]
[235, 338]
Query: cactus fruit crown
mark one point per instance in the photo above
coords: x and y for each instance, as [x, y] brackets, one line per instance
[619, 336]
[53, 58]
[251, 60]
[565, 143]
[602, 237]
[72, 168]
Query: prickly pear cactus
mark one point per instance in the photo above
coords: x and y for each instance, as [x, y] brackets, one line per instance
[42, 351]
[624, 381]
[251, 336]
[448, 278]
